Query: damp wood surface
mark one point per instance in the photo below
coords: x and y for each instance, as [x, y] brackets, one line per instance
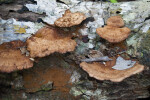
[44, 71]
[33, 81]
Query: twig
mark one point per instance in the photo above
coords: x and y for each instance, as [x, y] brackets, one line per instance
[104, 58]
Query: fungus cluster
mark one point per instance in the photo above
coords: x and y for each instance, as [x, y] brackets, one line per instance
[70, 19]
[48, 40]
[11, 58]
[114, 31]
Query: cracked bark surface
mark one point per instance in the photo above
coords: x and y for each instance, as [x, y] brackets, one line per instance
[17, 10]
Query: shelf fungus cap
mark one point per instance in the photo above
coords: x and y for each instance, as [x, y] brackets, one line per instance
[115, 21]
[48, 40]
[113, 34]
[70, 19]
[106, 72]
[11, 58]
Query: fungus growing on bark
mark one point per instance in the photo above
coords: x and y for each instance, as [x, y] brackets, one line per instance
[11, 58]
[106, 72]
[115, 21]
[48, 40]
[70, 19]
[113, 31]
[113, 34]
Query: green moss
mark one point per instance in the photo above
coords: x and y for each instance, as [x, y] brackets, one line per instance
[47, 86]
[113, 1]
[76, 91]
[139, 46]
[145, 43]
[81, 48]
[144, 49]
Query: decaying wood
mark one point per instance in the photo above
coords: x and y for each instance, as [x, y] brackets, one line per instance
[18, 11]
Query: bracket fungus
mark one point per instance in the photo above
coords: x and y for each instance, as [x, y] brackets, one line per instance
[11, 58]
[47, 40]
[113, 34]
[114, 31]
[106, 72]
[115, 21]
[70, 19]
